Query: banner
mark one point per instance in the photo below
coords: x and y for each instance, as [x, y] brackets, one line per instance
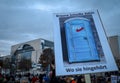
[81, 45]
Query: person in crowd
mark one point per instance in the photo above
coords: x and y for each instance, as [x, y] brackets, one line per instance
[35, 78]
[73, 81]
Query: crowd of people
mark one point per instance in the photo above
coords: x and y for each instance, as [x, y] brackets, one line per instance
[51, 78]
[39, 78]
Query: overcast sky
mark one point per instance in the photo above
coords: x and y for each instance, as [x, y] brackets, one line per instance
[25, 20]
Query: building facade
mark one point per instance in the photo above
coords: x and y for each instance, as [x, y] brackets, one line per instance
[29, 51]
[114, 42]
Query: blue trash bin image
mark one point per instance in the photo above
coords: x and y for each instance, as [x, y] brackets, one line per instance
[80, 41]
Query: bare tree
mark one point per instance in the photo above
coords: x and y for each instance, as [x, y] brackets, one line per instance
[24, 64]
[46, 58]
[6, 63]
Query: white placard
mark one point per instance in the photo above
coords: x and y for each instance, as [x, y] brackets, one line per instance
[81, 45]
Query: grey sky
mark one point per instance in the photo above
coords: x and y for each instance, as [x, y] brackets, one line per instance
[25, 20]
